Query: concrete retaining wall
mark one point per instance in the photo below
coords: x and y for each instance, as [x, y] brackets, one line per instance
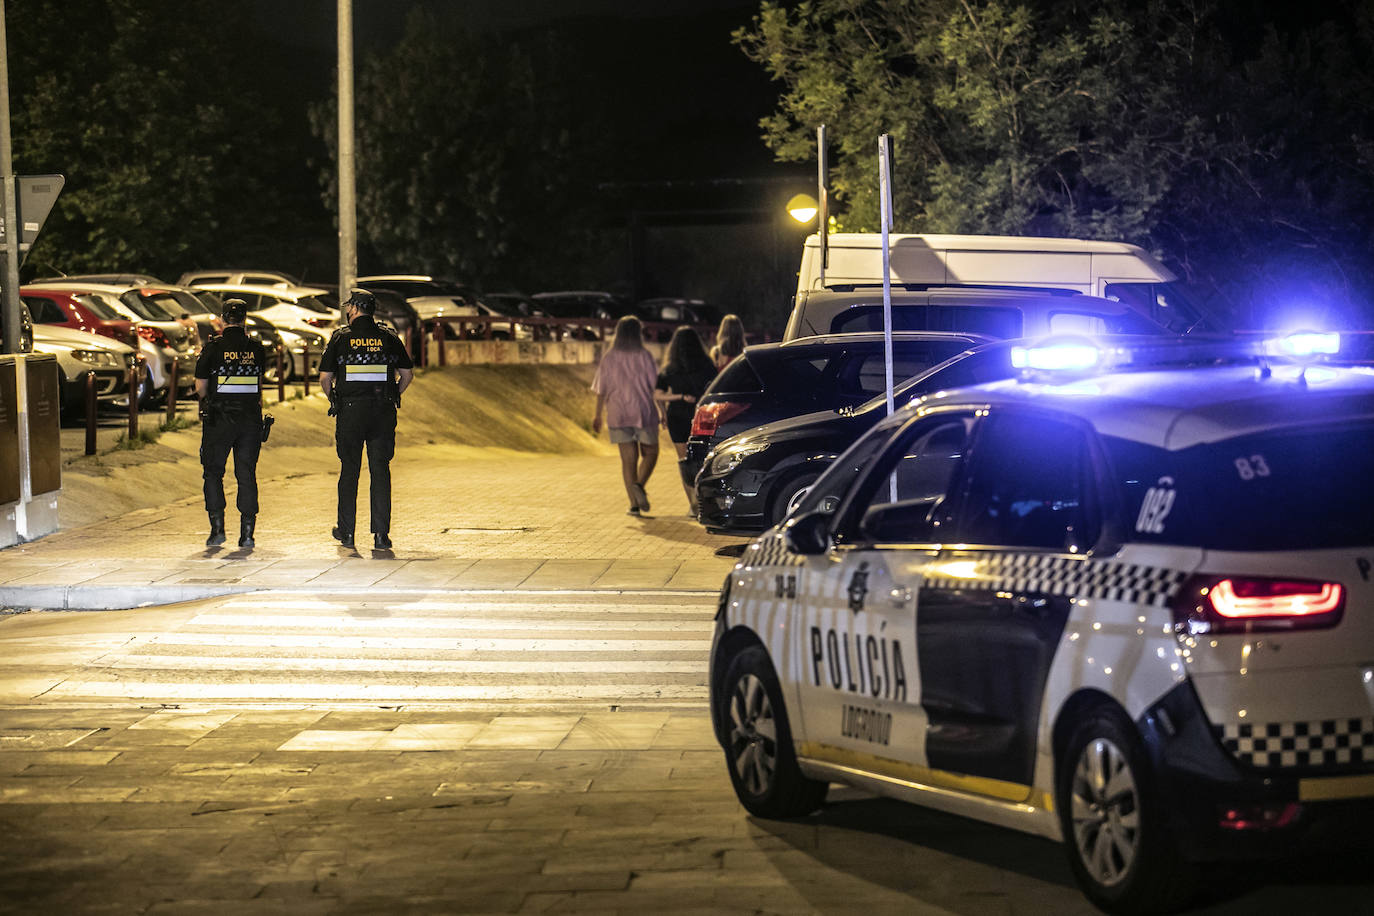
[564, 352]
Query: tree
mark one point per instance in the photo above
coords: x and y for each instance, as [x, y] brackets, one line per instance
[141, 104]
[472, 155]
[1149, 123]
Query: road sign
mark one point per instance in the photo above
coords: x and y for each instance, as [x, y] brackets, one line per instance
[36, 196]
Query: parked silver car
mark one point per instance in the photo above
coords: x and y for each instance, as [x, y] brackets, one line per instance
[79, 355]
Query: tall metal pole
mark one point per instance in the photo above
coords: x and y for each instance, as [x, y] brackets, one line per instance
[348, 215]
[14, 233]
[822, 201]
[885, 204]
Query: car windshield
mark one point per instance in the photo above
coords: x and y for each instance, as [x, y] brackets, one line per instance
[100, 308]
[210, 300]
[313, 304]
[173, 302]
[145, 308]
[1291, 489]
[990, 365]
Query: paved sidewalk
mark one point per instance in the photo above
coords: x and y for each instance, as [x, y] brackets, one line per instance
[463, 519]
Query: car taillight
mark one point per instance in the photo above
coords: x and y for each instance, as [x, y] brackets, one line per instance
[317, 322]
[708, 417]
[153, 335]
[1250, 604]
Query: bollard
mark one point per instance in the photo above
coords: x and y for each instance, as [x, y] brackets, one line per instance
[439, 336]
[281, 375]
[410, 341]
[133, 402]
[172, 393]
[90, 413]
[305, 376]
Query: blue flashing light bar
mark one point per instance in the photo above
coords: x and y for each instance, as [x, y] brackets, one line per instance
[1057, 357]
[1305, 344]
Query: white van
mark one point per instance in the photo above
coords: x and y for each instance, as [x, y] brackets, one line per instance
[1112, 270]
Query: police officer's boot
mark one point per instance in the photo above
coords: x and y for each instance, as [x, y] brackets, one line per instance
[343, 536]
[246, 525]
[216, 530]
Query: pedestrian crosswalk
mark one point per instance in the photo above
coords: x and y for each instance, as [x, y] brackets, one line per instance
[543, 650]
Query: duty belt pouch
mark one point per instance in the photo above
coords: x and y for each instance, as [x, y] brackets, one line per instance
[267, 421]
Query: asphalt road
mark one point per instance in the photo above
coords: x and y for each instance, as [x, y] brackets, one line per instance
[470, 752]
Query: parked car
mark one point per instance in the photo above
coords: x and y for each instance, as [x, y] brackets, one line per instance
[115, 279]
[753, 480]
[298, 313]
[1001, 313]
[238, 277]
[392, 310]
[81, 354]
[78, 311]
[769, 382]
[1123, 607]
[602, 306]
[164, 338]
[678, 311]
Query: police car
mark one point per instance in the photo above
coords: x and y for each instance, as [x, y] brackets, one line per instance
[1122, 601]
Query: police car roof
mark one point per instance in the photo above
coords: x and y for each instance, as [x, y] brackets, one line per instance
[1176, 408]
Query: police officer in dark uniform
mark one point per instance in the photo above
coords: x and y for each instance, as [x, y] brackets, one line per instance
[363, 371]
[229, 384]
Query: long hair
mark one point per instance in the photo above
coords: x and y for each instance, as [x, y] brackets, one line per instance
[686, 353]
[730, 337]
[629, 334]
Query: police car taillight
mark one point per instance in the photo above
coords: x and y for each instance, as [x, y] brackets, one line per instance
[708, 417]
[1249, 604]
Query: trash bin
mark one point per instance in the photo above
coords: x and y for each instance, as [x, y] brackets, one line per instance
[40, 405]
[11, 490]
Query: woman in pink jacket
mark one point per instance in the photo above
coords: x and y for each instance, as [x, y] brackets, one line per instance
[624, 387]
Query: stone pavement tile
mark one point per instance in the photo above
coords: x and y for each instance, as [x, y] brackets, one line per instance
[524, 732]
[619, 730]
[68, 794]
[40, 739]
[635, 900]
[184, 720]
[687, 731]
[426, 573]
[430, 737]
[566, 574]
[312, 740]
[226, 573]
[292, 573]
[637, 574]
[495, 573]
[706, 573]
[499, 786]
[356, 574]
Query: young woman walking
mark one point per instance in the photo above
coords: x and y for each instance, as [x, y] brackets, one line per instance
[624, 386]
[729, 341]
[687, 370]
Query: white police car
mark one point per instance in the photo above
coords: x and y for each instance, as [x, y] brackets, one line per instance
[1126, 609]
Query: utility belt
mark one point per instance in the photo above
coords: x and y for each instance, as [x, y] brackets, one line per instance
[370, 400]
[227, 409]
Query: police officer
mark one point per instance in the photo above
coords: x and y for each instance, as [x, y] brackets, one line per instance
[363, 371]
[229, 385]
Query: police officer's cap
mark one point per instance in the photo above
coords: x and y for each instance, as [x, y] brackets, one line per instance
[235, 311]
[362, 300]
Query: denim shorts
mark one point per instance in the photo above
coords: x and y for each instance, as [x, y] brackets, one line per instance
[645, 435]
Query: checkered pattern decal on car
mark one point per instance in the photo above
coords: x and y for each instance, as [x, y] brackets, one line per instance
[770, 550]
[1325, 742]
[1078, 577]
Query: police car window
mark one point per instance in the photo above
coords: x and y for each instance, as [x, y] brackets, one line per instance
[904, 495]
[1029, 486]
[829, 489]
[989, 320]
[1290, 489]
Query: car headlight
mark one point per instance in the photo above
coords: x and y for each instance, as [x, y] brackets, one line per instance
[95, 357]
[726, 459]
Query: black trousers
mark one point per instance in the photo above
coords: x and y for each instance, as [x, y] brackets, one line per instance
[221, 433]
[373, 426]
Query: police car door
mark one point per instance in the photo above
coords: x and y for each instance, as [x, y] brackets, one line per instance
[860, 693]
[992, 610]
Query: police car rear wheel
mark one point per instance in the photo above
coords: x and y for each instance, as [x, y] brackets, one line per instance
[759, 753]
[1113, 824]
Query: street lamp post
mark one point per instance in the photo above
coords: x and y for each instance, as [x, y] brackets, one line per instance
[348, 214]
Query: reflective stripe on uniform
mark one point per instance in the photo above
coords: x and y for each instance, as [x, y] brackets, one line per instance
[367, 373]
[237, 384]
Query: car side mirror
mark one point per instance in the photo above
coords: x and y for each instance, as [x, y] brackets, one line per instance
[809, 534]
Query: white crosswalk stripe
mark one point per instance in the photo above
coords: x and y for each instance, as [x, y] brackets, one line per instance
[523, 647]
